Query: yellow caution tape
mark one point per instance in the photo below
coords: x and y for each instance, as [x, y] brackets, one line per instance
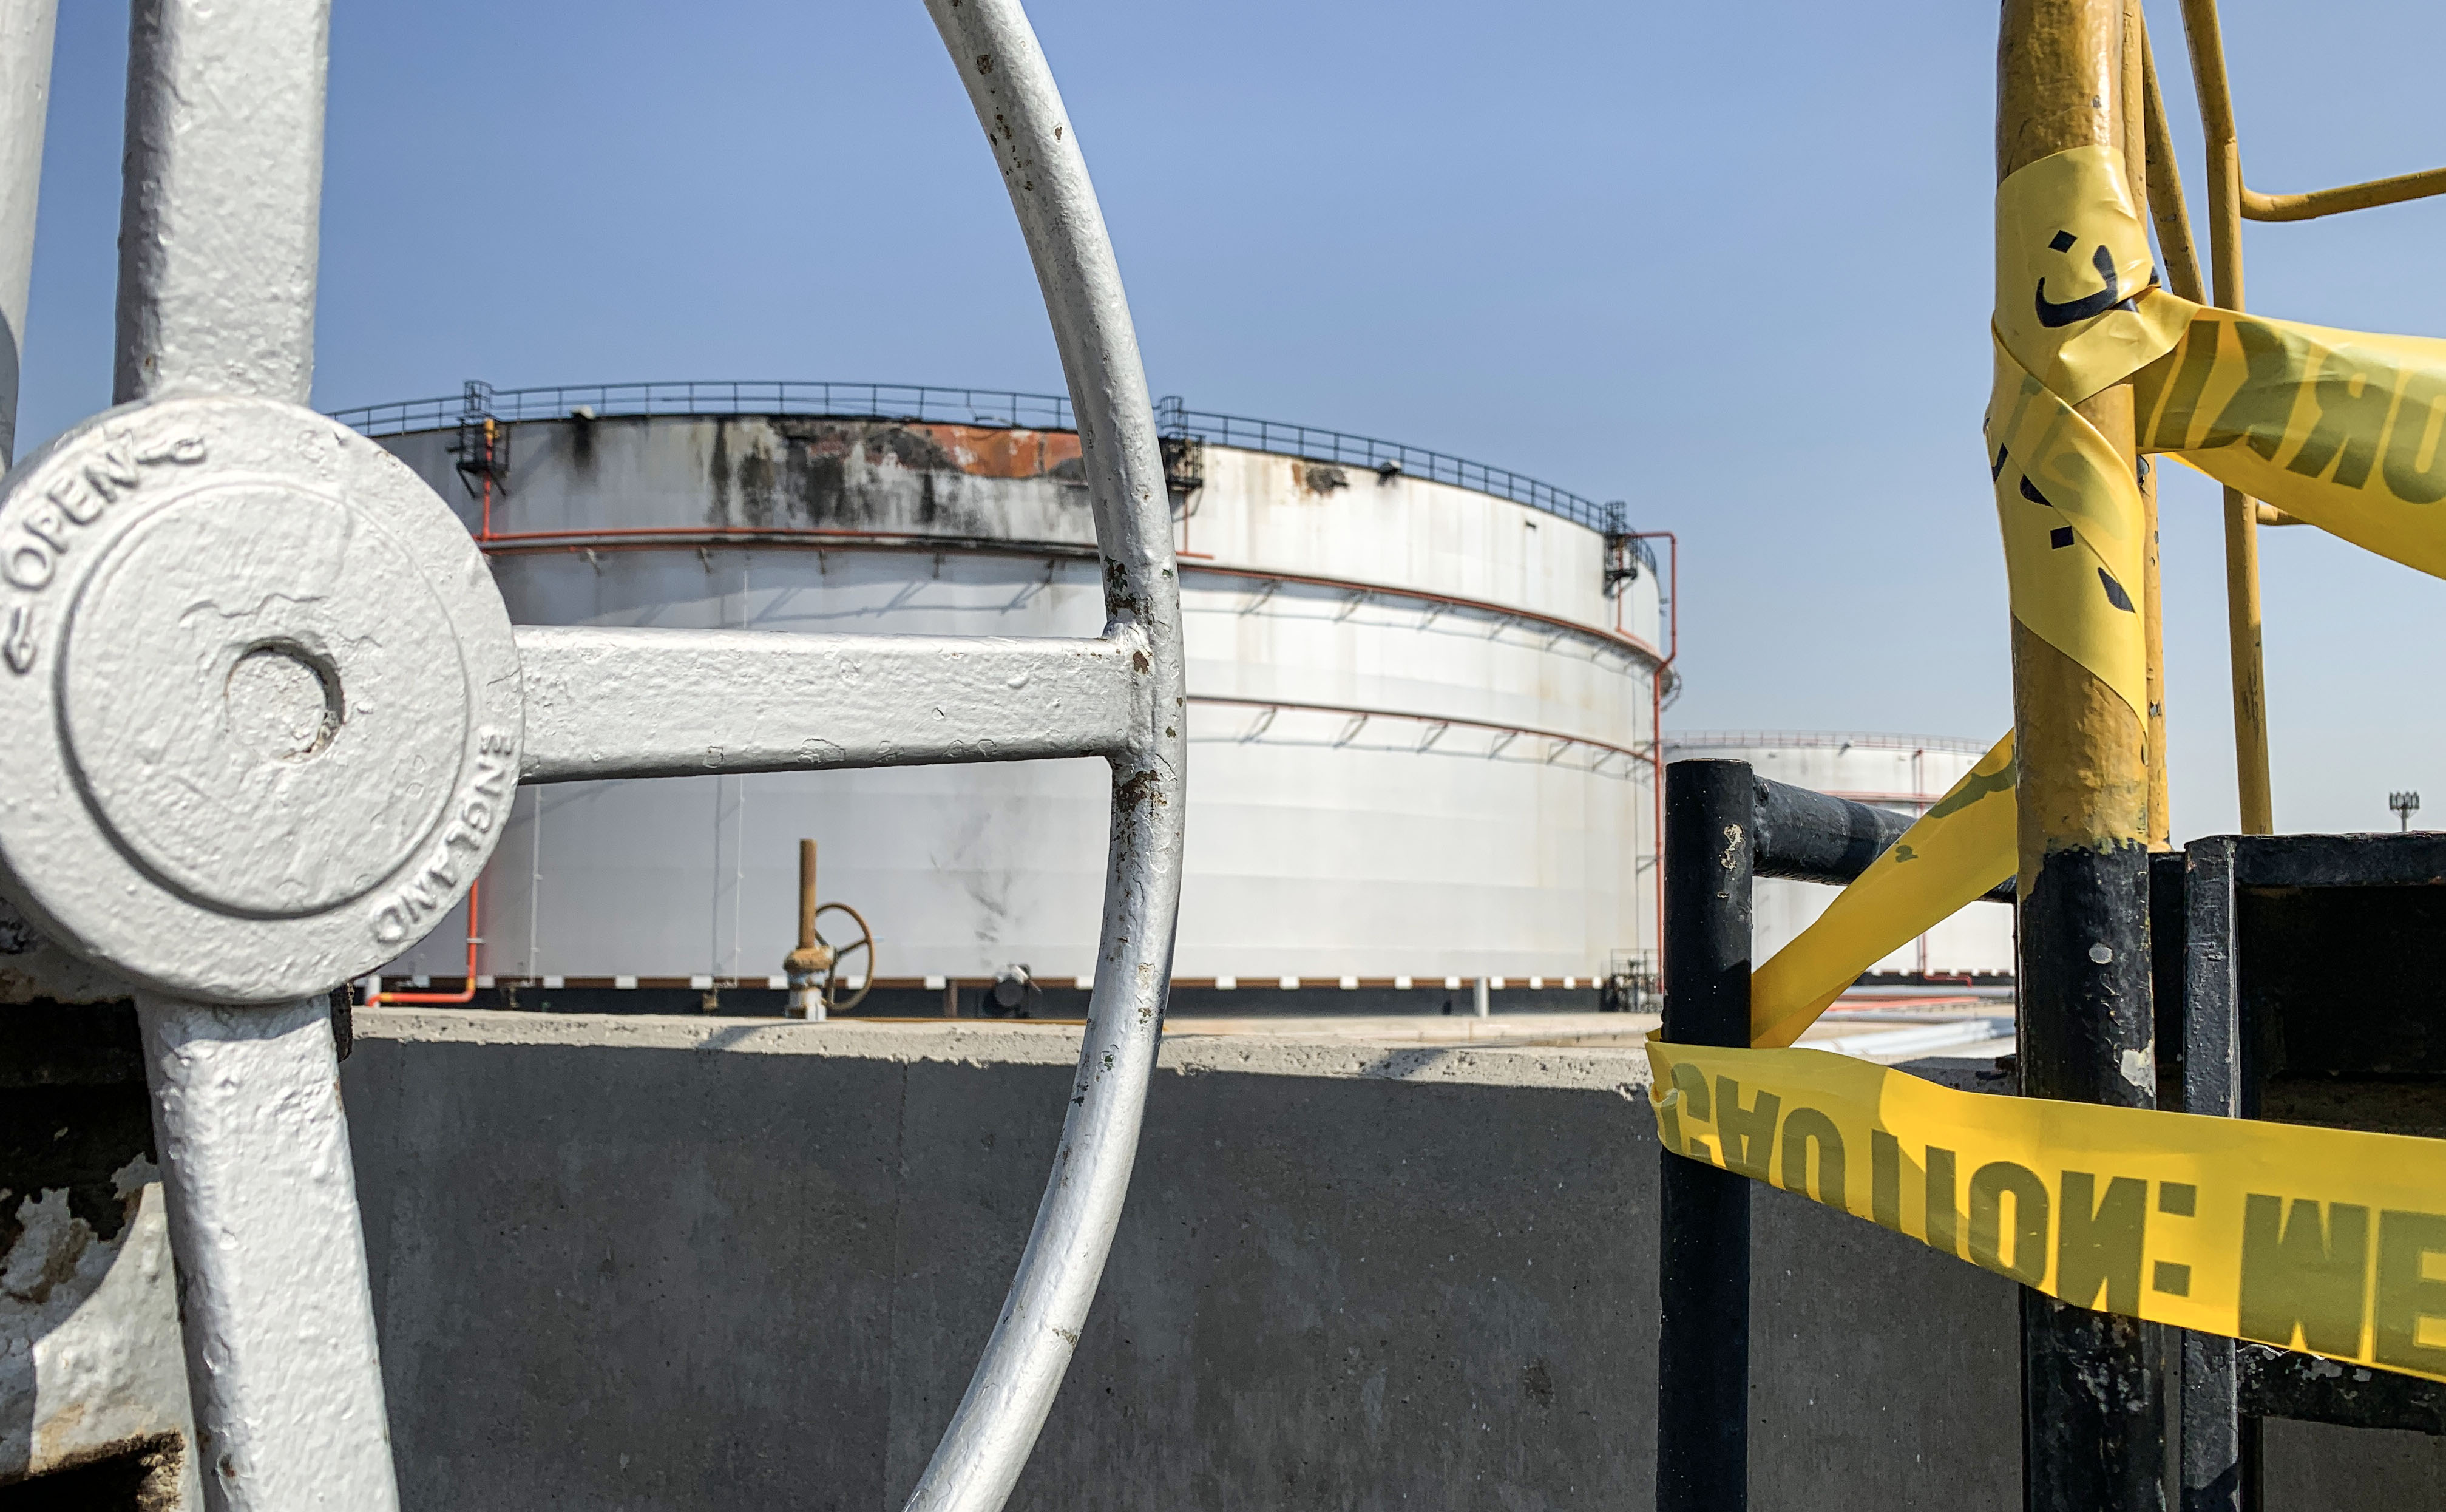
[1959, 849]
[2312, 1239]
[2343, 429]
[2072, 261]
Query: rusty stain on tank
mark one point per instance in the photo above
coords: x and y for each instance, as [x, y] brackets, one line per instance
[788, 471]
[1317, 478]
[996, 453]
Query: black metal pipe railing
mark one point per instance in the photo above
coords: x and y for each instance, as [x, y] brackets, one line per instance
[1815, 836]
[1725, 827]
[1702, 1259]
[1315, 443]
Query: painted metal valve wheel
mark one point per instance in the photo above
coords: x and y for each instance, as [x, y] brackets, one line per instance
[266, 709]
[266, 697]
[838, 995]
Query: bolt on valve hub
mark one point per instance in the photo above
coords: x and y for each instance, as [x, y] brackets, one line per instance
[265, 696]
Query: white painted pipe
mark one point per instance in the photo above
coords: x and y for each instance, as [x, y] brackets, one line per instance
[273, 1292]
[1482, 998]
[219, 221]
[26, 32]
[220, 217]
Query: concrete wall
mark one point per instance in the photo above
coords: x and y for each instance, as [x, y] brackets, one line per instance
[679, 1264]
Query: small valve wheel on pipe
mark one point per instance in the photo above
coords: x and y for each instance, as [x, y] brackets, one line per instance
[820, 985]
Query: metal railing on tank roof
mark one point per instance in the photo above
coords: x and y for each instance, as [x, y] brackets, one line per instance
[1175, 421]
[1002, 407]
[1006, 408]
[1816, 740]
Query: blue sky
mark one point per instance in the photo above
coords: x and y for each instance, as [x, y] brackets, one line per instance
[1727, 263]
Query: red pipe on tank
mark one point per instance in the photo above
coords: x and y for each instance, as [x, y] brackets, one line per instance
[1656, 715]
[467, 993]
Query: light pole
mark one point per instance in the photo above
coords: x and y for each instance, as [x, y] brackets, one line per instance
[2405, 805]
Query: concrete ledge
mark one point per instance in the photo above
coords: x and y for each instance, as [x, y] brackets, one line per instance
[980, 1042]
[694, 1263]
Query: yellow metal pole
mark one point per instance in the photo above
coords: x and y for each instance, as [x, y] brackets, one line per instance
[2084, 779]
[2093, 1435]
[2241, 512]
[2135, 96]
[2174, 244]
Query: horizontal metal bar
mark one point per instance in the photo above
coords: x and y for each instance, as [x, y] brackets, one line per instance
[688, 537]
[2369, 196]
[604, 703]
[2280, 1383]
[1815, 836]
[1696, 741]
[921, 403]
[2415, 859]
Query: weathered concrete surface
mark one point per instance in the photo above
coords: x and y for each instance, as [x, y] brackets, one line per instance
[695, 1263]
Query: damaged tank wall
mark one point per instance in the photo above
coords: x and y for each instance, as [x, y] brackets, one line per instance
[1403, 840]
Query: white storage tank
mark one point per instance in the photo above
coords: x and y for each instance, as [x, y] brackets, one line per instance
[1422, 717]
[1906, 773]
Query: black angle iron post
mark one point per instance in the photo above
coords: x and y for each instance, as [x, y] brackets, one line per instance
[2334, 995]
[2218, 1442]
[1703, 1371]
[1724, 826]
[2092, 1403]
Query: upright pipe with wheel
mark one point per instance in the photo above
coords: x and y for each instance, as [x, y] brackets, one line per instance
[802, 966]
[2093, 1435]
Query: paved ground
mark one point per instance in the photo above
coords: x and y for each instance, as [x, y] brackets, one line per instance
[1878, 1027]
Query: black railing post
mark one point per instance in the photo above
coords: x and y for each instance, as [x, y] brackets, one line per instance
[1704, 1245]
[2218, 1444]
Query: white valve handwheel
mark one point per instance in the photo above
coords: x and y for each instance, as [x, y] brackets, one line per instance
[265, 693]
[265, 710]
